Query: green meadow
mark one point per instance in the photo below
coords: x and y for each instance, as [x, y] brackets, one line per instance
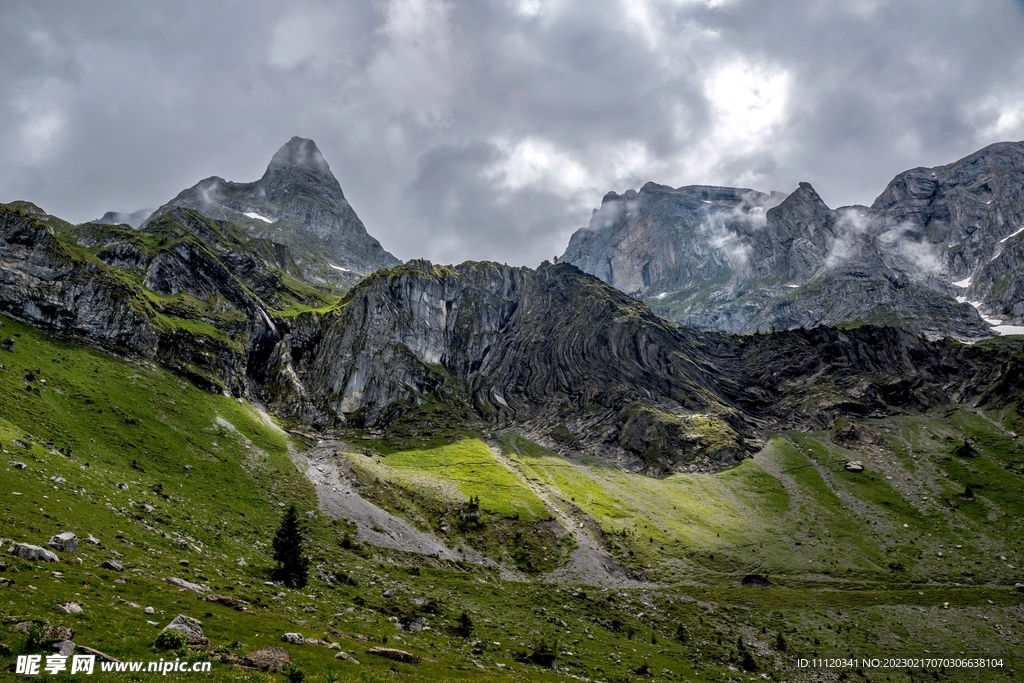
[916, 556]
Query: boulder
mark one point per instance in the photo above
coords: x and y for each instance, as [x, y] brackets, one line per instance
[112, 565]
[267, 659]
[69, 608]
[855, 466]
[34, 553]
[189, 627]
[395, 655]
[1019, 587]
[293, 638]
[19, 465]
[65, 542]
[966, 450]
[346, 657]
[65, 648]
[756, 581]
[851, 435]
[182, 583]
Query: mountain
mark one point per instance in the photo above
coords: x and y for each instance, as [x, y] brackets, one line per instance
[737, 260]
[133, 219]
[298, 203]
[480, 451]
[415, 351]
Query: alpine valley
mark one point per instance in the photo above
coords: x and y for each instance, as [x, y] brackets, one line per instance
[724, 432]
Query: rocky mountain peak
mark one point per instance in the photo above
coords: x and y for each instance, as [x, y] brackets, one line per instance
[299, 153]
[298, 203]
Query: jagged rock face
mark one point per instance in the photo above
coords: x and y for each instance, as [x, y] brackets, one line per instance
[46, 282]
[398, 339]
[661, 237]
[299, 203]
[970, 214]
[41, 282]
[727, 259]
[554, 354]
[582, 367]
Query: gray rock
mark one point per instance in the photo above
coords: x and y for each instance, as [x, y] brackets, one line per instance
[267, 659]
[7, 344]
[149, 610]
[189, 627]
[293, 638]
[346, 657]
[68, 608]
[188, 585]
[65, 542]
[1019, 587]
[854, 466]
[19, 465]
[65, 648]
[34, 553]
[396, 655]
[112, 565]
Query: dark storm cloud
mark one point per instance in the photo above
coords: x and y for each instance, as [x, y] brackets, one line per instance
[467, 130]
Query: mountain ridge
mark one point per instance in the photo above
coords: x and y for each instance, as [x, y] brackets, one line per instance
[738, 260]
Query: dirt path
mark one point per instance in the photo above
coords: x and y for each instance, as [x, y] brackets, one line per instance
[590, 564]
[339, 497]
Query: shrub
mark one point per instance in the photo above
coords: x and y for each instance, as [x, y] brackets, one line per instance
[170, 640]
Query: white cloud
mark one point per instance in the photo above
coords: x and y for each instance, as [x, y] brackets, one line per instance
[1008, 122]
[417, 71]
[749, 103]
[534, 162]
[300, 37]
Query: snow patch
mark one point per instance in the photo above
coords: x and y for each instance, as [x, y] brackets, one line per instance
[258, 217]
[966, 282]
[792, 286]
[1019, 231]
[961, 299]
[344, 270]
[661, 296]
[1008, 329]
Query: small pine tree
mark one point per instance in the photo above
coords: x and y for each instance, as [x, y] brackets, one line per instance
[292, 563]
[464, 627]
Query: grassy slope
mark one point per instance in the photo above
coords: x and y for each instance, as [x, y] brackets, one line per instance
[824, 535]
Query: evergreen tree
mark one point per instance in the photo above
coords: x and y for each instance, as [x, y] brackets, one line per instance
[292, 563]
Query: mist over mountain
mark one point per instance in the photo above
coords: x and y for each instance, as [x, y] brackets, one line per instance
[133, 219]
[937, 253]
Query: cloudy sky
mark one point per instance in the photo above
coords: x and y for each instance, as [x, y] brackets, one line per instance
[490, 130]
